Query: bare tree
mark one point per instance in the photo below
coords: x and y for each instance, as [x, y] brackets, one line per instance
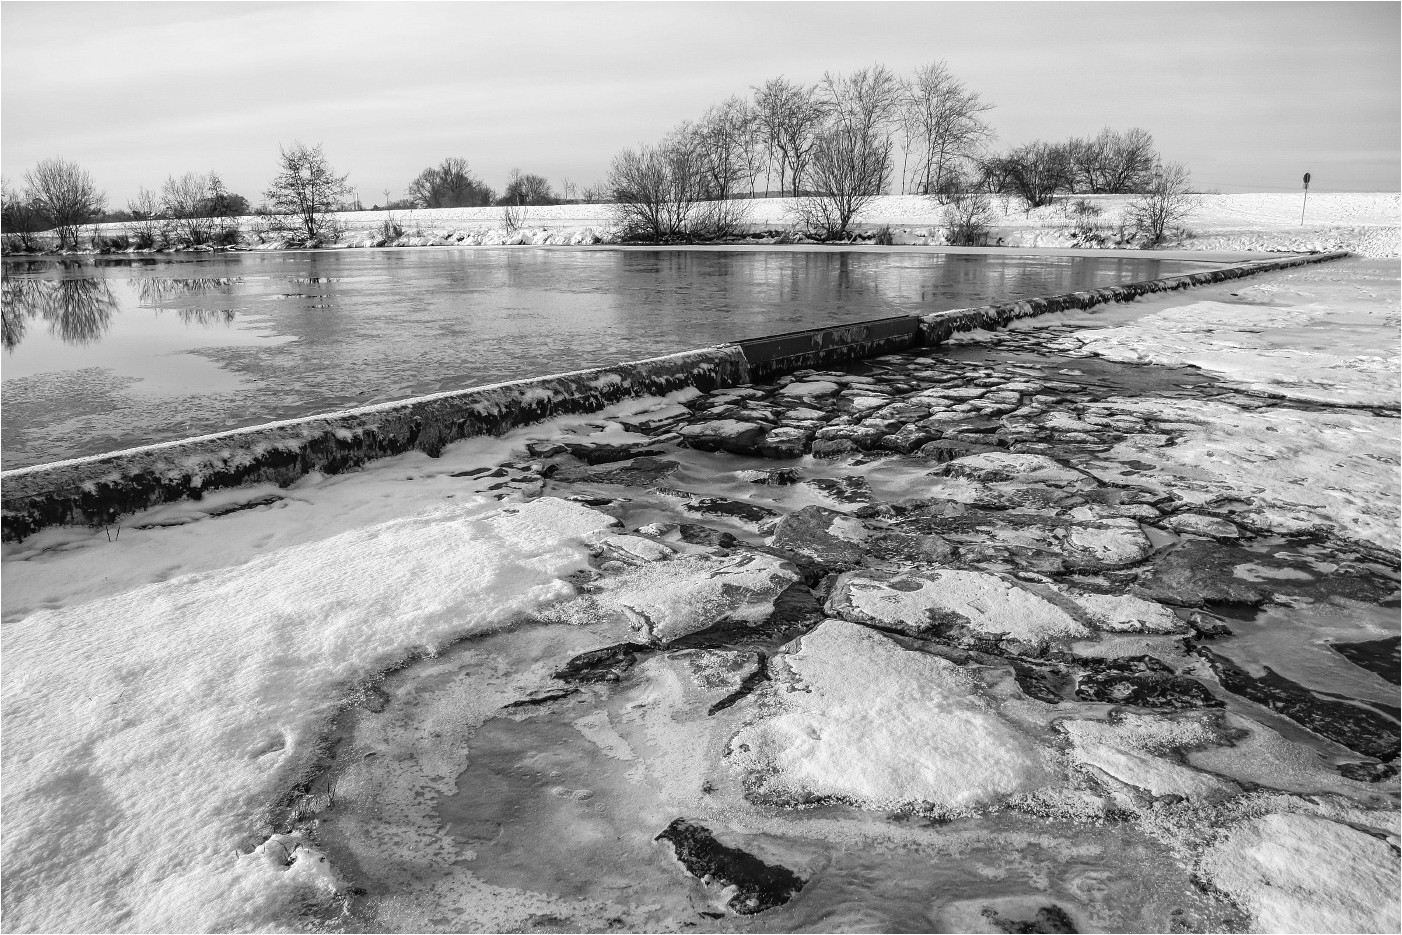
[525, 188]
[941, 118]
[656, 190]
[66, 194]
[308, 189]
[1166, 203]
[1131, 162]
[450, 184]
[862, 103]
[1034, 171]
[725, 140]
[850, 166]
[1112, 162]
[185, 201]
[147, 225]
[21, 218]
[851, 161]
[789, 117]
[596, 194]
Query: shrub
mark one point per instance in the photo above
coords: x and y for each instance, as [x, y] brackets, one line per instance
[391, 230]
[883, 236]
[225, 235]
[966, 220]
[111, 244]
[1083, 214]
[717, 220]
[1162, 208]
[655, 189]
[512, 217]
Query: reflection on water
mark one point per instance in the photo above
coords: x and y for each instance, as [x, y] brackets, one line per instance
[262, 336]
[79, 311]
[155, 292]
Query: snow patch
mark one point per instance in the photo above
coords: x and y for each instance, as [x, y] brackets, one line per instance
[989, 604]
[664, 601]
[148, 732]
[1296, 873]
[863, 720]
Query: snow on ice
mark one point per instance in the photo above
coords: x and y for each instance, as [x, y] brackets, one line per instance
[147, 731]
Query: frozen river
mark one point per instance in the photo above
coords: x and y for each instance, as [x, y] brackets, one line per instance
[104, 353]
[1134, 669]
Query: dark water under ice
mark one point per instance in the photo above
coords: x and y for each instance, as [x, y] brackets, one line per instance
[104, 353]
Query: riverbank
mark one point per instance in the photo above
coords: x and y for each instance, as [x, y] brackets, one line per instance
[1061, 626]
[1363, 223]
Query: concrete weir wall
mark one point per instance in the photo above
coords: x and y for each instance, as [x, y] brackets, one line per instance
[101, 488]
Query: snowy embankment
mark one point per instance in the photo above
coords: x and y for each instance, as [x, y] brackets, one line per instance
[1362, 223]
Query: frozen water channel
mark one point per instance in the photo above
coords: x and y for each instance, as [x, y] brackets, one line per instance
[1035, 636]
[105, 353]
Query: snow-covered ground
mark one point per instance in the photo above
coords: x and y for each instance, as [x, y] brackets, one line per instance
[1326, 333]
[1364, 223]
[147, 732]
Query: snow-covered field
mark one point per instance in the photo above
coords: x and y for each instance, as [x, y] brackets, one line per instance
[1364, 223]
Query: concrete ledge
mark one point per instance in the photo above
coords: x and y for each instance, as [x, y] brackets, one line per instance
[784, 353]
[939, 326]
[101, 488]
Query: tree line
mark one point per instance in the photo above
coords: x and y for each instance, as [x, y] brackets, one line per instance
[830, 146]
[196, 209]
[834, 145]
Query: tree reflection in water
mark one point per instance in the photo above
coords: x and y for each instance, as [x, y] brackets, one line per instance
[156, 293]
[79, 311]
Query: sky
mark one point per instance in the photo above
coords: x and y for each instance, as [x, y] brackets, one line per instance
[1248, 95]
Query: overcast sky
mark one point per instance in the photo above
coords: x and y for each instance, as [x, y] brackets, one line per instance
[1248, 95]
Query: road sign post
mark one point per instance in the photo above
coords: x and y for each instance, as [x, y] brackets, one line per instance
[1306, 201]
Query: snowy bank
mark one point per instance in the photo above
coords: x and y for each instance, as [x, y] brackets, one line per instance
[1362, 223]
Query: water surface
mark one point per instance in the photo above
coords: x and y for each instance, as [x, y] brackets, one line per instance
[105, 353]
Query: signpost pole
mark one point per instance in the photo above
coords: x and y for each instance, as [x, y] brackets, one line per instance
[1306, 201]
